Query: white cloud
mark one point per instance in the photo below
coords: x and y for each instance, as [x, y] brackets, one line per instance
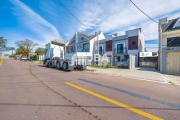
[121, 15]
[35, 22]
[66, 34]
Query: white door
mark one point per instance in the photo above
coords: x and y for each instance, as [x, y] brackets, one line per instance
[173, 63]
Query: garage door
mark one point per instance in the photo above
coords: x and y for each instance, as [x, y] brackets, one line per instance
[173, 63]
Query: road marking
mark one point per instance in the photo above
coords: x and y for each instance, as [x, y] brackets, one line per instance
[150, 116]
[134, 94]
[26, 67]
[0, 61]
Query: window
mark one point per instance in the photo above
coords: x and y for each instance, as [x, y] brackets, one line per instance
[108, 46]
[133, 43]
[119, 48]
[82, 38]
[100, 50]
[173, 42]
[85, 47]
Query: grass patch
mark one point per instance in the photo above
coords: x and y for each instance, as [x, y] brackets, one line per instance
[41, 62]
[171, 83]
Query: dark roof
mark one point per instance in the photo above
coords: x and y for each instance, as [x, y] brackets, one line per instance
[169, 26]
[58, 42]
[88, 37]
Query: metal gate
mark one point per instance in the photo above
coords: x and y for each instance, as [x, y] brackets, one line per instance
[148, 62]
[172, 63]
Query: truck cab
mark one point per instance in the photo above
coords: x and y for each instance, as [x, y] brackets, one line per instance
[55, 56]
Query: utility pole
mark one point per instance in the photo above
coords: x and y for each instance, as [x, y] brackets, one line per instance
[160, 45]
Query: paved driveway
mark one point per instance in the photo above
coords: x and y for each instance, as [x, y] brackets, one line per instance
[138, 73]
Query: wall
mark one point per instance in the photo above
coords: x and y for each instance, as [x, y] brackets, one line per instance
[130, 43]
[41, 57]
[109, 43]
[132, 61]
[168, 35]
[141, 41]
[163, 62]
[133, 32]
[120, 39]
[115, 63]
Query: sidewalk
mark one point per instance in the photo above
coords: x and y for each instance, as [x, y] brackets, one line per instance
[174, 79]
[139, 73]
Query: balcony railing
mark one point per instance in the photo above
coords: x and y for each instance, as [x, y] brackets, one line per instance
[101, 52]
[70, 51]
[84, 50]
[118, 51]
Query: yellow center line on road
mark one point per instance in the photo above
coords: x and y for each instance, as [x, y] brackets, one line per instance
[0, 61]
[26, 67]
[140, 112]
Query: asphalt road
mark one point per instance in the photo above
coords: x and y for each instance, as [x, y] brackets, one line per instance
[29, 91]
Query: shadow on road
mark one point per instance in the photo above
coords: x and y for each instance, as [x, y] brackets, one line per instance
[57, 105]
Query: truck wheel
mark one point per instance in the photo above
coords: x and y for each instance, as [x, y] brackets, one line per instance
[64, 66]
[46, 64]
[81, 68]
[58, 66]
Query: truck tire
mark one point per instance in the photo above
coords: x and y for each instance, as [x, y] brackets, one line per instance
[64, 67]
[46, 64]
[58, 66]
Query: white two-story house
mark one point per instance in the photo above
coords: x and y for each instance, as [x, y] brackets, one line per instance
[82, 45]
[118, 47]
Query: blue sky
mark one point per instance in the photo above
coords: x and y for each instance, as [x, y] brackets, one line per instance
[45, 20]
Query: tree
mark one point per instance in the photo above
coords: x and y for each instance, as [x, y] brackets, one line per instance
[12, 48]
[26, 46]
[20, 51]
[47, 44]
[40, 51]
[3, 43]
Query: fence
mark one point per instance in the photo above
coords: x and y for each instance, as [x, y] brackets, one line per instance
[41, 57]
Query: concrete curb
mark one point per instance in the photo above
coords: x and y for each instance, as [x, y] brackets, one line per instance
[138, 78]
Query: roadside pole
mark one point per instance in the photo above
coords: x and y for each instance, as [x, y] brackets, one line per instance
[160, 46]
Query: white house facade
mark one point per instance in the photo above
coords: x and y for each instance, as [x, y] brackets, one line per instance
[169, 45]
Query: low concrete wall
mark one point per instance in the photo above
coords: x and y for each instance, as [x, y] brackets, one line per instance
[132, 61]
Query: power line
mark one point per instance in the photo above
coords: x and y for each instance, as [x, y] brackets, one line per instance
[73, 14]
[142, 11]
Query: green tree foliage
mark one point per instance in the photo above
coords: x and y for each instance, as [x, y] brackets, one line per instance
[40, 51]
[47, 44]
[26, 45]
[3, 43]
[11, 48]
[34, 57]
[21, 51]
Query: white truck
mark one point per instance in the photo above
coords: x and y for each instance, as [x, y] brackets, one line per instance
[55, 57]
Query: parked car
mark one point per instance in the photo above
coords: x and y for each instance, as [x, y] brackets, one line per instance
[23, 58]
[124, 63]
